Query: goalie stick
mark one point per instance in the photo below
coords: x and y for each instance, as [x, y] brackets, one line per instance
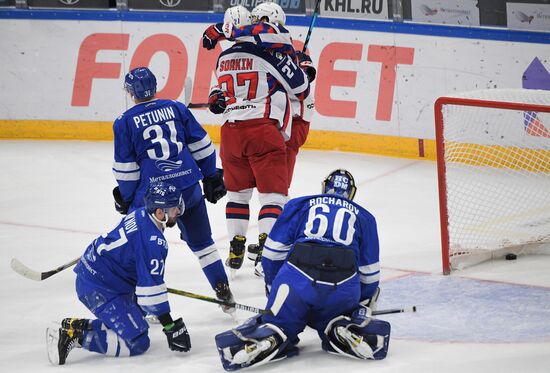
[268, 312]
[31, 274]
[220, 302]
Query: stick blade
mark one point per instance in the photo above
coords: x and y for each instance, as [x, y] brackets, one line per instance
[187, 90]
[25, 271]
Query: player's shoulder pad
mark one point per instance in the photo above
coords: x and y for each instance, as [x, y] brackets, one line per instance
[299, 201]
[244, 47]
[364, 212]
[279, 28]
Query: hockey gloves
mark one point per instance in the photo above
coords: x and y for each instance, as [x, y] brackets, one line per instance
[211, 36]
[371, 302]
[213, 186]
[178, 337]
[307, 65]
[120, 205]
[216, 101]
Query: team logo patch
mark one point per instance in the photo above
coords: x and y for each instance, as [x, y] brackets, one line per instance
[167, 166]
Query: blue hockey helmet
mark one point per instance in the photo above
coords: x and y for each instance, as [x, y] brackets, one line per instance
[141, 83]
[161, 195]
[340, 182]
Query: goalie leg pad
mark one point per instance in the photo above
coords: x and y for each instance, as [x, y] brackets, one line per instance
[366, 341]
[253, 344]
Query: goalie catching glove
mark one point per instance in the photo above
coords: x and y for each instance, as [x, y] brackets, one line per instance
[214, 187]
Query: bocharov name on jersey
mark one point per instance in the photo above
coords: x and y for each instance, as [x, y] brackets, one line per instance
[336, 201]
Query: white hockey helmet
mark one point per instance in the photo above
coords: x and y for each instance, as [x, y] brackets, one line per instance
[272, 11]
[238, 16]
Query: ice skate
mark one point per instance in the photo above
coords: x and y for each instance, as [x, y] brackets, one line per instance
[60, 342]
[236, 252]
[224, 293]
[74, 323]
[256, 249]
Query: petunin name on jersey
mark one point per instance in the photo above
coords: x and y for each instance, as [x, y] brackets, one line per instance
[154, 116]
[236, 64]
[325, 200]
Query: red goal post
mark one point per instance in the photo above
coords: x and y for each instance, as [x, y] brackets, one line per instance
[493, 162]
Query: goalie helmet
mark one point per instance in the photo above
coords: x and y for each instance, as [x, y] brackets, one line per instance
[272, 11]
[238, 16]
[141, 83]
[161, 195]
[340, 182]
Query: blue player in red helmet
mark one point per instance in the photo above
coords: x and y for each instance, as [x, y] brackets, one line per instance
[120, 278]
[321, 264]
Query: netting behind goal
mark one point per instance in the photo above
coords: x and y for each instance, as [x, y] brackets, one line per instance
[494, 174]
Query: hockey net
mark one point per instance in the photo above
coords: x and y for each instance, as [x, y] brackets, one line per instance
[493, 158]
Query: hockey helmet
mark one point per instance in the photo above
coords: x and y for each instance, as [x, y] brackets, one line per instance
[161, 195]
[238, 16]
[340, 182]
[272, 11]
[141, 83]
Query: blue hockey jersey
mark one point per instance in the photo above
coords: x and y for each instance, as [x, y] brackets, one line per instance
[130, 259]
[160, 140]
[325, 219]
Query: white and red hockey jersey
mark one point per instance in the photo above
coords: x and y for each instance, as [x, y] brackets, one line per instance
[260, 84]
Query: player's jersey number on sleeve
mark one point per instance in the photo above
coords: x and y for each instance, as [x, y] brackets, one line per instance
[157, 267]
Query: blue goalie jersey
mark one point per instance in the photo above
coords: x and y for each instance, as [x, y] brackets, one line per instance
[129, 260]
[160, 140]
[325, 219]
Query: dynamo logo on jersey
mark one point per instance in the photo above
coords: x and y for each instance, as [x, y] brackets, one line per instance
[168, 166]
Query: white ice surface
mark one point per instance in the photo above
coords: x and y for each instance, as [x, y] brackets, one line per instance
[55, 197]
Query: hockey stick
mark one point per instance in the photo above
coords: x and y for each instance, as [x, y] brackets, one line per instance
[187, 91]
[394, 310]
[268, 312]
[313, 19]
[31, 274]
[220, 302]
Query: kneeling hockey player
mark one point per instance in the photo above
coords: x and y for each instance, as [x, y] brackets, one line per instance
[119, 278]
[321, 263]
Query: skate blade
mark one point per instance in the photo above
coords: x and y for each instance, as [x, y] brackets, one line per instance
[52, 339]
